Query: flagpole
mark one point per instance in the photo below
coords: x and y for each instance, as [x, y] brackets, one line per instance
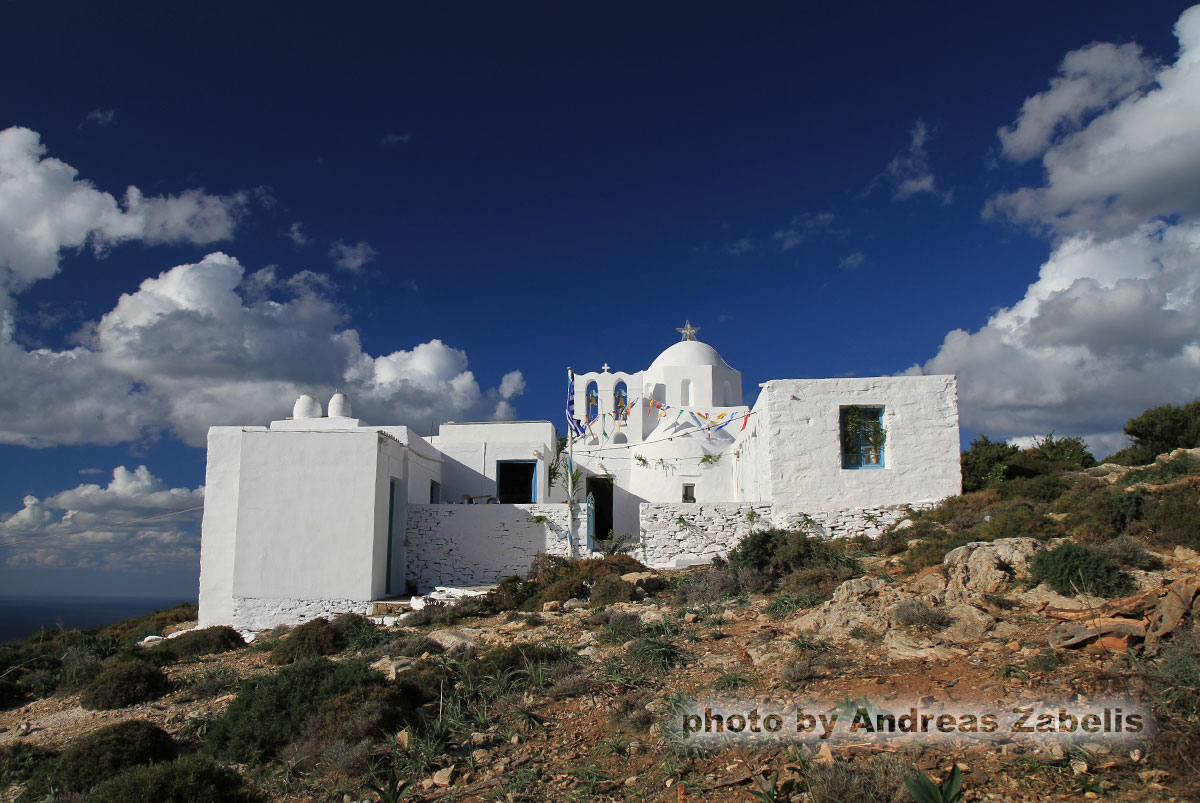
[570, 474]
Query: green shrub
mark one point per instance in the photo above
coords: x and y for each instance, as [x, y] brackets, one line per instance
[310, 640]
[123, 684]
[912, 613]
[99, 756]
[621, 627]
[359, 632]
[611, 588]
[563, 590]
[984, 464]
[1019, 521]
[778, 553]
[269, 710]
[1163, 429]
[131, 631]
[79, 668]
[1096, 512]
[11, 693]
[196, 643]
[1174, 516]
[1075, 569]
[436, 612]
[511, 593]
[1045, 488]
[1161, 473]
[210, 683]
[21, 761]
[1127, 552]
[192, 779]
[718, 583]
[656, 653]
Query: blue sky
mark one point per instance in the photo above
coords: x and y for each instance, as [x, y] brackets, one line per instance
[438, 208]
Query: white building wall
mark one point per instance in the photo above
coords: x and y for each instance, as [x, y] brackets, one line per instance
[481, 544]
[309, 515]
[801, 418]
[219, 527]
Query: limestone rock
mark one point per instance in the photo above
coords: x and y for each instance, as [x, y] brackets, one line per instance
[986, 567]
[646, 580]
[551, 606]
[906, 645]
[1045, 596]
[573, 604]
[444, 777]
[390, 666]
[449, 639]
[970, 624]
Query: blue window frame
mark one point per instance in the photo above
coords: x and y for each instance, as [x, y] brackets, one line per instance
[863, 437]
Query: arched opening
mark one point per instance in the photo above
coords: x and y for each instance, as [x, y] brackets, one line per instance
[620, 400]
[685, 393]
[593, 401]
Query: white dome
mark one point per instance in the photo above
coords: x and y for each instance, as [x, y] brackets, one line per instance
[688, 353]
[339, 406]
[307, 406]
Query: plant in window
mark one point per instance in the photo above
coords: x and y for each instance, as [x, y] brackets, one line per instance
[863, 437]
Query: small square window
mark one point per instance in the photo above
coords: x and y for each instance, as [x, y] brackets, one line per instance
[689, 493]
[863, 437]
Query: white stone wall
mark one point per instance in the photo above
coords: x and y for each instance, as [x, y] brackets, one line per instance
[683, 535]
[259, 613]
[465, 545]
[801, 428]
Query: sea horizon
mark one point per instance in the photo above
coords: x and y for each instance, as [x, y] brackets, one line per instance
[26, 614]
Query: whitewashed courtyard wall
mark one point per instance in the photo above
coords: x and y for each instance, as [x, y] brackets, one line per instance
[470, 545]
[684, 535]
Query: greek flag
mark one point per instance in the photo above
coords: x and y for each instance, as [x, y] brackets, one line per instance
[572, 423]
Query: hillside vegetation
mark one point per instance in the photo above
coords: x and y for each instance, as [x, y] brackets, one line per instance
[570, 683]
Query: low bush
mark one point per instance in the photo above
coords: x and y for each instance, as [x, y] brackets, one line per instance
[611, 588]
[21, 761]
[1127, 552]
[563, 590]
[99, 756]
[1019, 521]
[718, 583]
[79, 668]
[123, 684]
[192, 779]
[1075, 569]
[210, 683]
[196, 643]
[1174, 516]
[657, 653]
[879, 777]
[269, 710]
[1095, 512]
[310, 640]
[1163, 472]
[912, 613]
[11, 693]
[436, 612]
[131, 631]
[620, 628]
[357, 631]
[796, 673]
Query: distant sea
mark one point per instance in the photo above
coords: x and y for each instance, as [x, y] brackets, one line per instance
[22, 616]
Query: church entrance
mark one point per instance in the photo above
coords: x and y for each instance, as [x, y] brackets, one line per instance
[516, 481]
[600, 524]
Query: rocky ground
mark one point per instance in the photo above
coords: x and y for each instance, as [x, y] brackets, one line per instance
[611, 734]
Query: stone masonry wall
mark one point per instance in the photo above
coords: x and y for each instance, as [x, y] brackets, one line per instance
[261, 613]
[686, 534]
[465, 545]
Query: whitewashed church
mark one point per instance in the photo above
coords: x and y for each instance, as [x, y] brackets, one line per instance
[321, 514]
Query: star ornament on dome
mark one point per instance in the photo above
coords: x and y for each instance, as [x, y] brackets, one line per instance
[688, 331]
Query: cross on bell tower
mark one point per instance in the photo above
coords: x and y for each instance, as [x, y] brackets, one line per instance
[688, 331]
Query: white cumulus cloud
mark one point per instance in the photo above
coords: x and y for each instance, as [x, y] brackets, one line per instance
[1112, 324]
[352, 257]
[45, 208]
[80, 525]
[204, 344]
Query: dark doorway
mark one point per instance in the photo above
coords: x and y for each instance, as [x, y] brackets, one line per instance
[515, 481]
[601, 491]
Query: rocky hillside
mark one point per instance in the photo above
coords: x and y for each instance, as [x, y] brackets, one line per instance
[1069, 591]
